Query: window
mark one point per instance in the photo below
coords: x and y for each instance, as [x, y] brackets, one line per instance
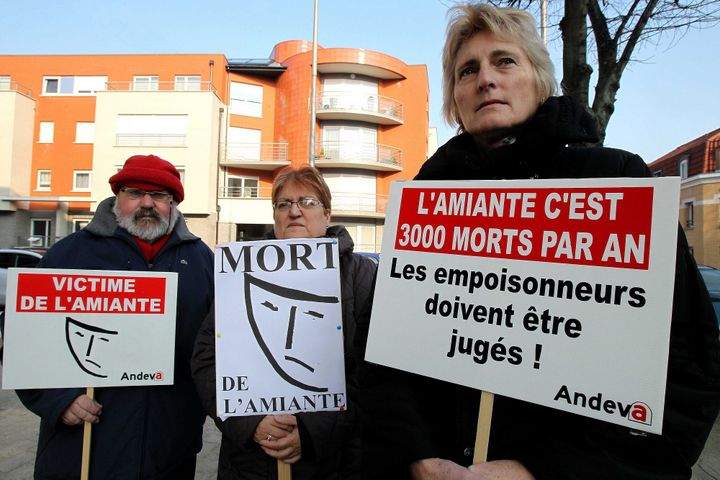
[151, 130]
[43, 180]
[657, 173]
[85, 132]
[145, 82]
[81, 181]
[80, 223]
[246, 99]
[47, 132]
[349, 143]
[349, 93]
[683, 168]
[4, 84]
[187, 82]
[67, 85]
[242, 187]
[40, 232]
[243, 144]
[354, 192]
[690, 214]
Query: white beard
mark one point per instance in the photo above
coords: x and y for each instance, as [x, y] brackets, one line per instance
[148, 229]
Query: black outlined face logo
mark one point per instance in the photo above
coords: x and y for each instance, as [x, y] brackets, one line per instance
[304, 317]
[88, 343]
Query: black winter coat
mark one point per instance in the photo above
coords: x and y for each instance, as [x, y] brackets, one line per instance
[144, 432]
[409, 417]
[330, 441]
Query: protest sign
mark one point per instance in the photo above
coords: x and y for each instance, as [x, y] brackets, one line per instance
[278, 327]
[557, 292]
[64, 328]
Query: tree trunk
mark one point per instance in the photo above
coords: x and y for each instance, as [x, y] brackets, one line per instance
[576, 71]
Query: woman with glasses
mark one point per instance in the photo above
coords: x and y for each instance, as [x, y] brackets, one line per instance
[319, 445]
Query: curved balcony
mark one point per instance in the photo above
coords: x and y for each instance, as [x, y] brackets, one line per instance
[258, 156]
[371, 108]
[358, 205]
[364, 156]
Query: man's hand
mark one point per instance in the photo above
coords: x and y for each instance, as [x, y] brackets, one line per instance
[437, 469]
[285, 445]
[82, 409]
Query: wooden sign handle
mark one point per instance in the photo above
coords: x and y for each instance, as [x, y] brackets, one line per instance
[284, 472]
[87, 435]
[482, 436]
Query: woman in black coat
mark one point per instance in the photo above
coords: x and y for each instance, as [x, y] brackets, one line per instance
[318, 445]
[498, 87]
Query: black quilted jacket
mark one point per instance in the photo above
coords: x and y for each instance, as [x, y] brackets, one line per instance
[330, 440]
[408, 417]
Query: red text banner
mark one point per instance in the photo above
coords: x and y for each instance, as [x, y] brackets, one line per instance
[55, 293]
[601, 226]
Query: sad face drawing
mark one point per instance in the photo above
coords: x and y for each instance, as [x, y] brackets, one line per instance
[288, 325]
[88, 345]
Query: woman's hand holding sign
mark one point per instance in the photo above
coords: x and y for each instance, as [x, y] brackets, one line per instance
[279, 437]
[82, 409]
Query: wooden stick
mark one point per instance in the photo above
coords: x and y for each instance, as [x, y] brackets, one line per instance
[482, 436]
[284, 472]
[87, 434]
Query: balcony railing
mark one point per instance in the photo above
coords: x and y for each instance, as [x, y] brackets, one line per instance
[15, 87]
[255, 152]
[372, 103]
[166, 86]
[358, 204]
[245, 192]
[354, 152]
[150, 140]
[343, 203]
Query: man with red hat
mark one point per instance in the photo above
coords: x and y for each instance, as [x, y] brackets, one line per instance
[140, 432]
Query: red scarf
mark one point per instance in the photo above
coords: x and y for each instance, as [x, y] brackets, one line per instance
[149, 250]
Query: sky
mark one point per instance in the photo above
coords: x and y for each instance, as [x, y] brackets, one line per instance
[665, 100]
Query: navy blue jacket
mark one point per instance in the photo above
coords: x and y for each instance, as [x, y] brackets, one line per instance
[144, 432]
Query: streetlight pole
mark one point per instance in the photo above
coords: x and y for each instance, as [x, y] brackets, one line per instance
[543, 20]
[313, 102]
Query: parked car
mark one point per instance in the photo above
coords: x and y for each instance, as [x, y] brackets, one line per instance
[711, 275]
[14, 257]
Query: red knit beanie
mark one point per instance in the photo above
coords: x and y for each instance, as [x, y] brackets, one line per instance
[149, 172]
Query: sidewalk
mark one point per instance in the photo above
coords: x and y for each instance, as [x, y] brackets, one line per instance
[19, 435]
[19, 430]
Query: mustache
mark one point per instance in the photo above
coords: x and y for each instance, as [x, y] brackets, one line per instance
[146, 212]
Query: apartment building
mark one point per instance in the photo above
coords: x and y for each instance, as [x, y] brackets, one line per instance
[227, 125]
[697, 163]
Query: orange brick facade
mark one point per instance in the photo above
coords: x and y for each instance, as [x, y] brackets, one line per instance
[149, 89]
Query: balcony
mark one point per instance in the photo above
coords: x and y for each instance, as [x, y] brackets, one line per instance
[358, 205]
[245, 192]
[370, 108]
[365, 156]
[245, 205]
[254, 155]
[171, 86]
[10, 86]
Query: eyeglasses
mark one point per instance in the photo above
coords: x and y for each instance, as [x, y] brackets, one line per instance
[158, 196]
[305, 203]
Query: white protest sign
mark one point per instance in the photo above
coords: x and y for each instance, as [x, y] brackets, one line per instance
[66, 328]
[557, 292]
[278, 327]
